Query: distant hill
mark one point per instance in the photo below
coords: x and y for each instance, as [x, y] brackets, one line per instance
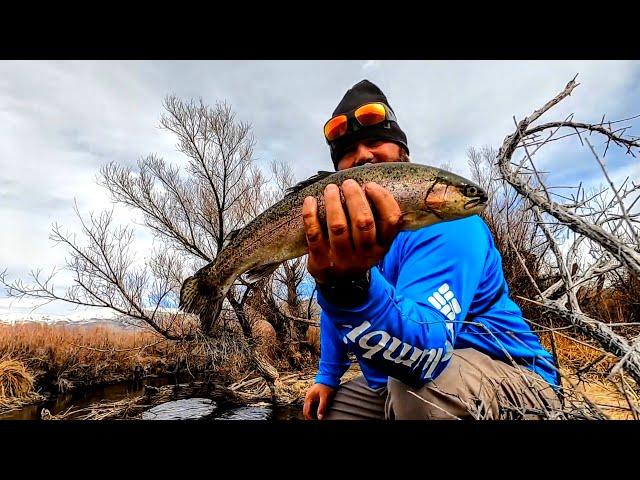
[77, 321]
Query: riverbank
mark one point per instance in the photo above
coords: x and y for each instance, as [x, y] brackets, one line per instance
[64, 368]
[130, 400]
[62, 358]
[59, 368]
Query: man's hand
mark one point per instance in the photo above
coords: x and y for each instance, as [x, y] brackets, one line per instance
[317, 401]
[349, 253]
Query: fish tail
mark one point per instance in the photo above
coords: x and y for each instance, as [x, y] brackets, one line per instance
[202, 298]
[211, 313]
[188, 293]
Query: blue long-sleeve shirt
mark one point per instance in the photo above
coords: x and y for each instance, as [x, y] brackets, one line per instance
[422, 304]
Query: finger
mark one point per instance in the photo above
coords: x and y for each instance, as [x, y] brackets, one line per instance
[389, 215]
[318, 245]
[306, 409]
[363, 226]
[323, 405]
[337, 226]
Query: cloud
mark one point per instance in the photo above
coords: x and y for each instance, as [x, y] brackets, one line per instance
[62, 120]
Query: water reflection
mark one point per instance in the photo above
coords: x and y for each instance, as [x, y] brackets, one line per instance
[246, 413]
[184, 409]
[84, 398]
[120, 391]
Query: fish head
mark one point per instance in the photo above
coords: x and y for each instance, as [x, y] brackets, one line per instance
[448, 196]
[452, 196]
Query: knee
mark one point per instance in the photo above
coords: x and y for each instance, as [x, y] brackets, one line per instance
[405, 403]
[426, 403]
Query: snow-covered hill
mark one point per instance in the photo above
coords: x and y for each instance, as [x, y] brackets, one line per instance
[77, 319]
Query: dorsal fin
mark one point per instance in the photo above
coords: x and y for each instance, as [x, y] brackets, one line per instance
[309, 181]
[230, 236]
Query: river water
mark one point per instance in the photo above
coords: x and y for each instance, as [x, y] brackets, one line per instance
[120, 391]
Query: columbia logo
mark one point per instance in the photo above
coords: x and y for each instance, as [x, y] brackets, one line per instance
[444, 300]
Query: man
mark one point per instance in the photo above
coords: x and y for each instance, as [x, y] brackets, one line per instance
[435, 298]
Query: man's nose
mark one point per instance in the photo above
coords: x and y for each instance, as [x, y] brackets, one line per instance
[363, 155]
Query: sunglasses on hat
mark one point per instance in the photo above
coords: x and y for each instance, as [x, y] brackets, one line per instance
[364, 116]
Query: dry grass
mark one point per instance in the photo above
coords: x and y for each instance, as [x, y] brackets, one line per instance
[66, 356]
[585, 369]
[89, 355]
[15, 380]
[575, 354]
[8, 404]
[608, 397]
[16, 385]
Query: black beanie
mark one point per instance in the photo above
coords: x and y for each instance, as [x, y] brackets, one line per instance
[361, 93]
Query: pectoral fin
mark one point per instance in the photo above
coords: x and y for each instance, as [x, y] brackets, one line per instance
[415, 219]
[261, 271]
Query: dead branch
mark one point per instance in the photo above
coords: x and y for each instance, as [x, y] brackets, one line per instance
[609, 340]
[608, 224]
[625, 254]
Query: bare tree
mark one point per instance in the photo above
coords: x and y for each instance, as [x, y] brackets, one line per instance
[105, 275]
[510, 220]
[190, 209]
[589, 235]
[277, 297]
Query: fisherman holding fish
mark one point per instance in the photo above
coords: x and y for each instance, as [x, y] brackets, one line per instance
[425, 311]
[409, 281]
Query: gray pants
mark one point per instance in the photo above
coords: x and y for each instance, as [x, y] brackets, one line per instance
[473, 386]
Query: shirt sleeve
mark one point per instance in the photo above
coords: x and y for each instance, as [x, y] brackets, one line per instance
[334, 359]
[408, 331]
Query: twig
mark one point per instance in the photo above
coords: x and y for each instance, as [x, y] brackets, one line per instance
[628, 256]
[625, 214]
[632, 407]
[433, 405]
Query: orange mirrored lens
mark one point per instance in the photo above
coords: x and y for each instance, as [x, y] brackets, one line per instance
[336, 127]
[370, 114]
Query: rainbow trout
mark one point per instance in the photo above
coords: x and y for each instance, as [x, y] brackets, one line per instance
[426, 195]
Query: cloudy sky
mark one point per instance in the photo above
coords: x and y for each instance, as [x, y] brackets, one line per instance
[61, 120]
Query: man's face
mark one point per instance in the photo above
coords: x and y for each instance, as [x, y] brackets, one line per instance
[370, 151]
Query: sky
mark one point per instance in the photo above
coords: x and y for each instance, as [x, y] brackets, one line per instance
[62, 120]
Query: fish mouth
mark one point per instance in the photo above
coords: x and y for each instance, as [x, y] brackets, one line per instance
[474, 202]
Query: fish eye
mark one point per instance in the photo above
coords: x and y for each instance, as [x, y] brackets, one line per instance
[471, 191]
